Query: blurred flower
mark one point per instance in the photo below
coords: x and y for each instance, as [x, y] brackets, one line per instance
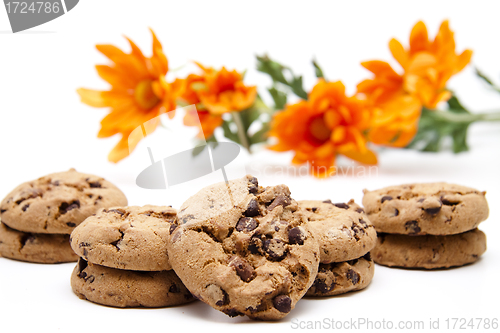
[396, 99]
[428, 65]
[327, 124]
[138, 93]
[215, 93]
[395, 113]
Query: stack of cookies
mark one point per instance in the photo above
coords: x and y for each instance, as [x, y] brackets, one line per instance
[345, 236]
[123, 258]
[244, 249]
[431, 225]
[38, 216]
[249, 250]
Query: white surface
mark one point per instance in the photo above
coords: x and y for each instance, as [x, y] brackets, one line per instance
[45, 129]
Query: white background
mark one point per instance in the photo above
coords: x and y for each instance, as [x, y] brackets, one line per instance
[44, 129]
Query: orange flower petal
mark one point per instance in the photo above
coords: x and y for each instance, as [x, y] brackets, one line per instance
[419, 39]
[398, 52]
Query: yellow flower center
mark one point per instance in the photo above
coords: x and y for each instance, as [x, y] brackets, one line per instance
[145, 96]
[318, 130]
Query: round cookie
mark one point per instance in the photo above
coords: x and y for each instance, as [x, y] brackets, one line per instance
[342, 277]
[428, 208]
[123, 288]
[429, 251]
[39, 248]
[133, 238]
[57, 203]
[342, 230]
[244, 249]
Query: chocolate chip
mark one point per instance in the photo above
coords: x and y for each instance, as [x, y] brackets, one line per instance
[252, 209]
[360, 210]
[328, 201]
[83, 244]
[246, 224]
[314, 209]
[275, 248]
[117, 211]
[412, 227]
[2, 211]
[433, 210]
[283, 303]
[25, 207]
[368, 256]
[71, 224]
[82, 264]
[363, 223]
[65, 207]
[55, 183]
[254, 188]
[357, 231]
[255, 246]
[95, 184]
[172, 228]
[186, 218]
[396, 212]
[296, 236]
[232, 312]
[174, 288]
[280, 200]
[341, 205]
[385, 198]
[217, 295]
[322, 287]
[353, 276]
[26, 238]
[244, 270]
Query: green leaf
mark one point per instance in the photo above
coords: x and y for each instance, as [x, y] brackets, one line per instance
[279, 98]
[228, 133]
[317, 69]
[484, 77]
[272, 68]
[277, 73]
[455, 106]
[261, 135]
[200, 145]
[459, 136]
[198, 149]
[487, 80]
[433, 128]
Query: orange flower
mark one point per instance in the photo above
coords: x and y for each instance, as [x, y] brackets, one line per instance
[327, 124]
[396, 99]
[215, 93]
[428, 65]
[395, 113]
[138, 93]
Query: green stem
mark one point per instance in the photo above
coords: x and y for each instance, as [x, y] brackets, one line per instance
[463, 118]
[242, 135]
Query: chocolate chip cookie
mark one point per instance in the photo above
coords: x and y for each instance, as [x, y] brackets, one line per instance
[123, 288]
[342, 277]
[429, 251]
[429, 208]
[244, 249]
[58, 202]
[39, 248]
[342, 230]
[132, 237]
